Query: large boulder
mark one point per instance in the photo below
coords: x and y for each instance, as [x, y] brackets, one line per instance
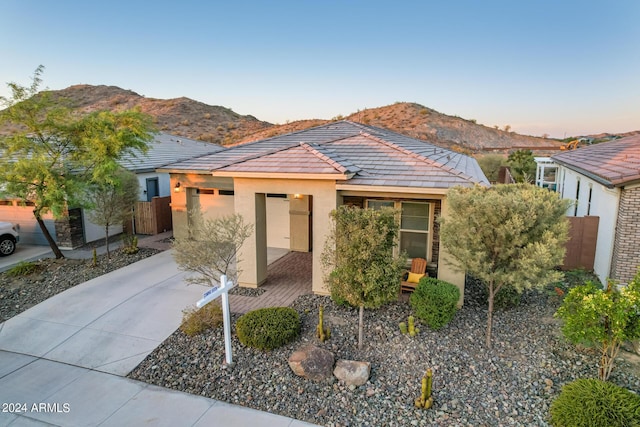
[312, 362]
[352, 372]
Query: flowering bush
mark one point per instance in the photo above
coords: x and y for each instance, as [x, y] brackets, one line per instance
[602, 317]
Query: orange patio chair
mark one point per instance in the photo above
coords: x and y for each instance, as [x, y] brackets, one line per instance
[417, 272]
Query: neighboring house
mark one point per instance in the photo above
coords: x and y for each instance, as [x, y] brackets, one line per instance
[604, 181]
[287, 186]
[77, 229]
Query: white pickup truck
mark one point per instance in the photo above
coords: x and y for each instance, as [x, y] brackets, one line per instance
[8, 238]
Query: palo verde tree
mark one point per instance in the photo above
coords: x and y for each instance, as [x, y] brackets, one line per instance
[358, 257]
[506, 235]
[111, 201]
[211, 248]
[52, 153]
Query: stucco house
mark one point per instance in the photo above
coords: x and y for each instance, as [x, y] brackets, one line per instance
[287, 186]
[77, 229]
[604, 181]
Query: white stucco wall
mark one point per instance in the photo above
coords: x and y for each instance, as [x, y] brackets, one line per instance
[164, 184]
[93, 232]
[604, 204]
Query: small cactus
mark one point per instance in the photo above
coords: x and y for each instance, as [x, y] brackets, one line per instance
[425, 401]
[403, 328]
[412, 326]
[95, 258]
[322, 332]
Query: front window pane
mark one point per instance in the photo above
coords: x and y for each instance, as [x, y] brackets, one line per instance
[414, 244]
[415, 216]
[379, 204]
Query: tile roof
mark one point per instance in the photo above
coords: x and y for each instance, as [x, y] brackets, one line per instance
[615, 163]
[366, 154]
[166, 149]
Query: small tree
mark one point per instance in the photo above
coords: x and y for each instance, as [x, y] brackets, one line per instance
[212, 248]
[602, 317]
[507, 234]
[111, 201]
[358, 257]
[522, 165]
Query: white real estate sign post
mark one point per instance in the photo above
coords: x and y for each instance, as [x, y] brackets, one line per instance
[212, 294]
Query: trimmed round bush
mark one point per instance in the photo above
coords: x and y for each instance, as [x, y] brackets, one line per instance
[595, 403]
[268, 328]
[435, 302]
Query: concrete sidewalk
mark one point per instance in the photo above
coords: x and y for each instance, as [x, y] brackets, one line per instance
[75, 347]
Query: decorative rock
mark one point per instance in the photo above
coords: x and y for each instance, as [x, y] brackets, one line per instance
[352, 372]
[311, 362]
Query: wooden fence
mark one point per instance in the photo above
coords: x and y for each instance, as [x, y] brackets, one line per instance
[153, 217]
[581, 247]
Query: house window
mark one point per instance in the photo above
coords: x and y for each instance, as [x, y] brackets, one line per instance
[226, 192]
[415, 221]
[203, 191]
[414, 229]
[589, 200]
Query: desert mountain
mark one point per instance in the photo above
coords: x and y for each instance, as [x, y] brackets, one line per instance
[193, 119]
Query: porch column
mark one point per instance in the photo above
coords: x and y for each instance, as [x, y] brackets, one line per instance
[253, 253]
[324, 201]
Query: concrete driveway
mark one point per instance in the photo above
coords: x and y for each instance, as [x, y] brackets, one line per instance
[68, 355]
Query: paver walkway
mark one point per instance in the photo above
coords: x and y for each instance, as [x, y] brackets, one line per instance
[287, 278]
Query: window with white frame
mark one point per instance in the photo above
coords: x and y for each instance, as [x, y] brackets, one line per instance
[415, 225]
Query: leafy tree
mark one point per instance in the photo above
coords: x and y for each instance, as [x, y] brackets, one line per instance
[359, 254]
[490, 165]
[111, 201]
[523, 165]
[52, 153]
[506, 235]
[602, 317]
[212, 248]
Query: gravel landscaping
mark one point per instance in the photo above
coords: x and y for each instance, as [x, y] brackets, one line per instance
[512, 384]
[52, 276]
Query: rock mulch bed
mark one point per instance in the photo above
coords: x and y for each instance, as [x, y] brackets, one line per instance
[53, 276]
[512, 384]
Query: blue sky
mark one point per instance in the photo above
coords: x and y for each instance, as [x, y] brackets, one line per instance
[555, 67]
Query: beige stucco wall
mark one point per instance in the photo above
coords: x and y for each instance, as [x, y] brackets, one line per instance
[183, 200]
[446, 269]
[253, 260]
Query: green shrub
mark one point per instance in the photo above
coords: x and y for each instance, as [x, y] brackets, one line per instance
[268, 328]
[195, 321]
[23, 268]
[592, 402]
[435, 302]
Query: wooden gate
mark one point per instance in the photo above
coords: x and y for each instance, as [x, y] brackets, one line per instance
[153, 217]
[581, 246]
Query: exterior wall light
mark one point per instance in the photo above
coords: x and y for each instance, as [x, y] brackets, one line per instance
[176, 189]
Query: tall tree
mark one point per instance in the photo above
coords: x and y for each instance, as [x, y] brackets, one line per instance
[506, 235]
[53, 153]
[358, 256]
[111, 202]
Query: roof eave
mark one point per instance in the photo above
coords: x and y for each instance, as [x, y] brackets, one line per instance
[284, 175]
[183, 171]
[586, 173]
